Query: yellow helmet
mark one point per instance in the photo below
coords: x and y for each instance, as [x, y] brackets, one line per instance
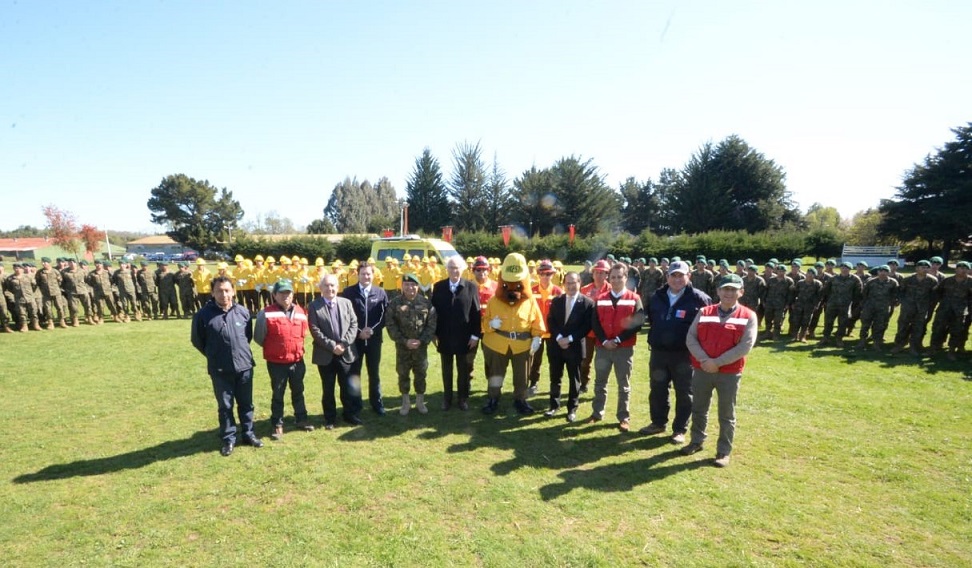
[221, 266]
[469, 260]
[353, 263]
[238, 258]
[319, 261]
[303, 260]
[433, 260]
[258, 258]
[514, 268]
[200, 261]
[407, 257]
[531, 263]
[285, 261]
[270, 259]
[371, 260]
[425, 259]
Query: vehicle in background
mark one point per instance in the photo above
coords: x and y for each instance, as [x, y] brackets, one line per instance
[398, 247]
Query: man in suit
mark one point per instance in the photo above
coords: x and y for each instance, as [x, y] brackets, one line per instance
[568, 322]
[457, 329]
[334, 328]
[370, 304]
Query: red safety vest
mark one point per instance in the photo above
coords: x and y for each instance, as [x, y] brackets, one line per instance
[285, 336]
[716, 337]
[614, 318]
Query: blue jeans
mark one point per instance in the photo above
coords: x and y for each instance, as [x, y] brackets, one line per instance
[229, 387]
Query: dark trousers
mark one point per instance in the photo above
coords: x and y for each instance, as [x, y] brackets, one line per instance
[536, 362]
[462, 371]
[560, 359]
[670, 368]
[229, 387]
[369, 356]
[337, 371]
[282, 374]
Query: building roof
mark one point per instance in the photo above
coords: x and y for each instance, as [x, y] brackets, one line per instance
[25, 243]
[334, 238]
[154, 240]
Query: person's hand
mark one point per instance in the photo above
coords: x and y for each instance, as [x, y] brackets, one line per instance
[338, 349]
[365, 333]
[535, 345]
[496, 322]
[610, 345]
[413, 344]
[709, 366]
[563, 342]
[473, 342]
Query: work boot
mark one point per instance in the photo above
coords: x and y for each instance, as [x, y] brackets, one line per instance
[35, 326]
[49, 324]
[420, 404]
[6, 329]
[492, 404]
[23, 327]
[75, 322]
[406, 405]
[62, 324]
[138, 316]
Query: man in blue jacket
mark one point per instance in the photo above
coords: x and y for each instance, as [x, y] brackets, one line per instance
[370, 303]
[222, 331]
[671, 311]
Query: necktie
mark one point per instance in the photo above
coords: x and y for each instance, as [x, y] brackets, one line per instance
[335, 321]
[570, 306]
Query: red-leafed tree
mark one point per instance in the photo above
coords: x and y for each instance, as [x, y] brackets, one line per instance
[92, 238]
[63, 229]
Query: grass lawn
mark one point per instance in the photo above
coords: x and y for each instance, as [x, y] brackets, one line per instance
[110, 457]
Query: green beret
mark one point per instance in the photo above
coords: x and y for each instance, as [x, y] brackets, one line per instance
[894, 261]
[700, 258]
[611, 257]
[846, 264]
[84, 262]
[410, 277]
[796, 262]
[101, 262]
[45, 259]
[750, 261]
[884, 267]
[937, 260]
[653, 259]
[676, 259]
[812, 270]
[831, 262]
[753, 267]
[641, 260]
[664, 259]
[710, 262]
[770, 264]
[861, 263]
[144, 263]
[818, 264]
[774, 261]
[742, 263]
[723, 262]
[924, 263]
[962, 264]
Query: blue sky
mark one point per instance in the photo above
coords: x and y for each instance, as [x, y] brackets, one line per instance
[279, 101]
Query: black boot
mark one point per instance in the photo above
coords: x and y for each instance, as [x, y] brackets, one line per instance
[523, 407]
[492, 405]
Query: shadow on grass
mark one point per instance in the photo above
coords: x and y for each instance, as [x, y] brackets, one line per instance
[199, 442]
[620, 476]
[846, 351]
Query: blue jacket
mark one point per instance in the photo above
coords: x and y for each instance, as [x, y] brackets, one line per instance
[371, 315]
[224, 338]
[670, 324]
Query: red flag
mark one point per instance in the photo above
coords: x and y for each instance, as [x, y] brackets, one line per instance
[447, 234]
[573, 230]
[507, 231]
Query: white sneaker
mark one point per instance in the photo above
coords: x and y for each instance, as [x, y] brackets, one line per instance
[420, 404]
[532, 391]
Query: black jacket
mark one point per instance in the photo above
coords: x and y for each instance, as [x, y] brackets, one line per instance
[224, 338]
[670, 324]
[458, 316]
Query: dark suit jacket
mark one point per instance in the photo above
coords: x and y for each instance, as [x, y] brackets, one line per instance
[325, 339]
[458, 316]
[373, 313]
[578, 325]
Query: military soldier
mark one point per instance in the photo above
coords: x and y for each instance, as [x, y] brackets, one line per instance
[4, 315]
[954, 297]
[168, 296]
[76, 290]
[861, 271]
[808, 295]
[100, 282]
[702, 279]
[652, 278]
[149, 287]
[124, 280]
[936, 265]
[754, 289]
[20, 287]
[894, 274]
[840, 291]
[49, 285]
[878, 300]
[779, 295]
[187, 294]
[916, 297]
[411, 325]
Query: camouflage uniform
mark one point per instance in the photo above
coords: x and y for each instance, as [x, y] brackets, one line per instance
[823, 277]
[187, 294]
[703, 280]
[49, 284]
[76, 290]
[125, 281]
[954, 296]
[411, 319]
[754, 291]
[856, 306]
[916, 295]
[841, 291]
[168, 300]
[779, 295]
[878, 299]
[808, 295]
[652, 278]
[4, 316]
[149, 291]
[100, 283]
[20, 289]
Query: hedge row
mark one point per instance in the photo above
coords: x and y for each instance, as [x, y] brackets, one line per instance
[731, 245]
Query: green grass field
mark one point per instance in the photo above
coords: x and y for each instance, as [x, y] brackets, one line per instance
[110, 457]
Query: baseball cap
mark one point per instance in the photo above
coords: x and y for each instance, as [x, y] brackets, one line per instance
[678, 267]
[283, 285]
[602, 265]
[730, 281]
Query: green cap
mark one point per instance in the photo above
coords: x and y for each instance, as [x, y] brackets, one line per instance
[45, 259]
[846, 264]
[818, 264]
[730, 281]
[937, 260]
[831, 262]
[410, 277]
[884, 267]
[894, 261]
[924, 263]
[283, 285]
[653, 259]
[861, 263]
[812, 270]
[700, 258]
[796, 262]
[962, 264]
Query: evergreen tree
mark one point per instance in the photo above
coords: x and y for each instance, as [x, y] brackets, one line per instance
[467, 188]
[426, 193]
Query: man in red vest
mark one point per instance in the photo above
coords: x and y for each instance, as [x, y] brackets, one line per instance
[618, 317]
[598, 286]
[280, 329]
[718, 341]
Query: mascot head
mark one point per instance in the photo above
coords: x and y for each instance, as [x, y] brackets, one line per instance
[515, 278]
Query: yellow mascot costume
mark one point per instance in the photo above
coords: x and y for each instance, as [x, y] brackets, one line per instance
[512, 326]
